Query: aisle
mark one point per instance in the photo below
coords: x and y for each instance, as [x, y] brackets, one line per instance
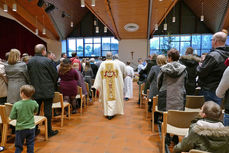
[93, 133]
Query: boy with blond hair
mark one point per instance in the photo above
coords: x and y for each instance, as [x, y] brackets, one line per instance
[23, 111]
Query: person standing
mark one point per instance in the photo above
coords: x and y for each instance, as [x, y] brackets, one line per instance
[128, 82]
[222, 91]
[44, 78]
[23, 111]
[109, 83]
[17, 75]
[191, 62]
[68, 82]
[3, 84]
[211, 70]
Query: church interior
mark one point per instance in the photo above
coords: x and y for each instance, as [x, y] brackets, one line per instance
[131, 29]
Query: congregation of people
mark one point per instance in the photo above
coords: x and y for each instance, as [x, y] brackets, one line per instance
[45, 75]
[170, 76]
[176, 76]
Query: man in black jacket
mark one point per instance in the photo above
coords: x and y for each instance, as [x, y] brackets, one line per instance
[212, 68]
[43, 77]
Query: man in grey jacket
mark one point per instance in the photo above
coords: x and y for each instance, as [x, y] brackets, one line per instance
[43, 77]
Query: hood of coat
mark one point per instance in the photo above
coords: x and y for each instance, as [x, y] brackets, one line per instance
[211, 129]
[189, 60]
[173, 69]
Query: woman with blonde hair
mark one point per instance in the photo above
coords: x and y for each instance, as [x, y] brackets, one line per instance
[88, 75]
[68, 82]
[152, 78]
[17, 74]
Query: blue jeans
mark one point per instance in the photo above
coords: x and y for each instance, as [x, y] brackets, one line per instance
[210, 96]
[21, 135]
[226, 119]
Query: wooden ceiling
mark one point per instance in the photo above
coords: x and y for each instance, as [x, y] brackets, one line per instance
[215, 12]
[115, 14]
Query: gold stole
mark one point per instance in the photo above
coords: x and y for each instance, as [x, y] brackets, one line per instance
[110, 74]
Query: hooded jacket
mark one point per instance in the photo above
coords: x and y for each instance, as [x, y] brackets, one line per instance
[191, 62]
[212, 68]
[206, 135]
[171, 86]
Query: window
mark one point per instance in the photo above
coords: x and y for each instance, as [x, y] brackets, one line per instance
[64, 46]
[201, 43]
[92, 46]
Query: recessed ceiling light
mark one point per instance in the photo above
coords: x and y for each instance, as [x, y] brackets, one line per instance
[131, 27]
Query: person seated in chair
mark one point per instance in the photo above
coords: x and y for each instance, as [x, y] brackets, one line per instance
[206, 133]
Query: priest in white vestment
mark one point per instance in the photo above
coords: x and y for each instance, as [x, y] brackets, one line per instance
[109, 83]
[128, 82]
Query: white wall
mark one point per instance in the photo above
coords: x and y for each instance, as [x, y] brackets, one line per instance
[52, 45]
[138, 46]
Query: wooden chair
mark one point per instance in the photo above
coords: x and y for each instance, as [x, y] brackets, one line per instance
[4, 113]
[197, 151]
[194, 103]
[155, 109]
[177, 123]
[145, 102]
[82, 99]
[141, 94]
[92, 94]
[58, 102]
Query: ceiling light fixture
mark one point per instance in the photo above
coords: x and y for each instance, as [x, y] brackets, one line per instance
[202, 11]
[36, 30]
[174, 15]
[5, 7]
[92, 2]
[82, 3]
[14, 7]
[156, 27]
[43, 30]
[95, 23]
[71, 24]
[97, 29]
[165, 24]
[105, 29]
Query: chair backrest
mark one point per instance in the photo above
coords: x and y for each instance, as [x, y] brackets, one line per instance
[58, 97]
[80, 92]
[142, 87]
[87, 87]
[9, 107]
[3, 114]
[194, 101]
[180, 119]
[197, 151]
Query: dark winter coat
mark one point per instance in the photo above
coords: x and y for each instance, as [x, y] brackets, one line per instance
[212, 68]
[206, 135]
[191, 62]
[43, 76]
[152, 81]
[171, 86]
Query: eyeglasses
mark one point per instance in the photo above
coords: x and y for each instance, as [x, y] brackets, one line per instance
[212, 39]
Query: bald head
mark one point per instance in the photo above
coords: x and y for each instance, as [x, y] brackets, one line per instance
[219, 39]
[40, 49]
[109, 55]
[115, 56]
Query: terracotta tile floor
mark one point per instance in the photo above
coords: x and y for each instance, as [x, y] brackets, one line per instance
[93, 133]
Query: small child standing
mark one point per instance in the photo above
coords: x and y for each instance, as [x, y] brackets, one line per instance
[23, 111]
[206, 133]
